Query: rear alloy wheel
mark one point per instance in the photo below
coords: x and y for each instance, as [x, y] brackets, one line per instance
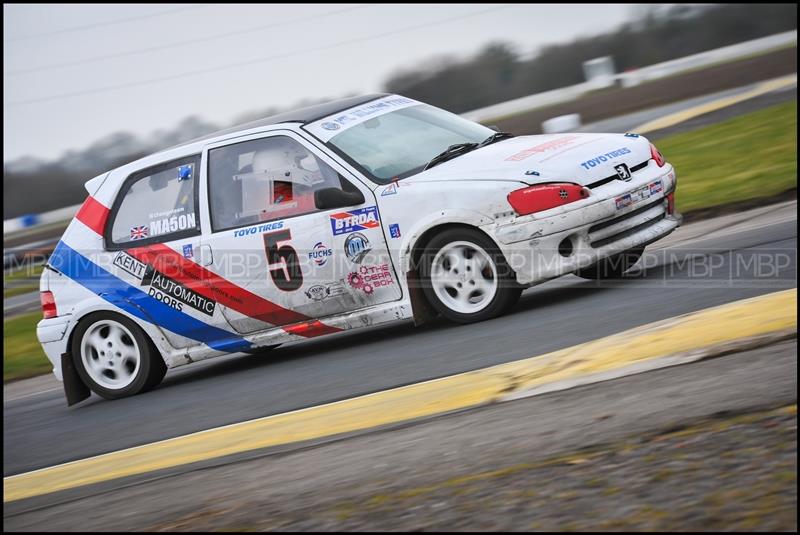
[466, 278]
[114, 357]
[612, 267]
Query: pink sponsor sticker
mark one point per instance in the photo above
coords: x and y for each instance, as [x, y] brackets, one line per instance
[544, 147]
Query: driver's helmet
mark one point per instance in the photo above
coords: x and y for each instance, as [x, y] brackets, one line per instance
[293, 172]
[288, 162]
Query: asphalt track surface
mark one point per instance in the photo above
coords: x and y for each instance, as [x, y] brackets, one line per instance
[719, 264]
[362, 482]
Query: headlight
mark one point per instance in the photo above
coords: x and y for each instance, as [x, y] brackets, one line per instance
[545, 196]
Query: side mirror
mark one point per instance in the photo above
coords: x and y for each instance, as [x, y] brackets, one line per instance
[327, 198]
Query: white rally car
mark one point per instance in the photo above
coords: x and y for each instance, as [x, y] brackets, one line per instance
[348, 214]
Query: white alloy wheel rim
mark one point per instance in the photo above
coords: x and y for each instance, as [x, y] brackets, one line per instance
[464, 277]
[110, 354]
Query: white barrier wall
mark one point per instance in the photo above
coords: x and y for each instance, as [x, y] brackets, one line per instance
[652, 72]
[704, 59]
[34, 220]
[562, 123]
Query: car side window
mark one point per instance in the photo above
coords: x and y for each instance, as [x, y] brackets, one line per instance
[156, 205]
[266, 179]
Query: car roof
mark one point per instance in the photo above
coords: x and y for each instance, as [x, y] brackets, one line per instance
[302, 116]
[305, 115]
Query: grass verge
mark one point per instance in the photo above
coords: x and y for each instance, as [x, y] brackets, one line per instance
[19, 290]
[751, 156]
[22, 354]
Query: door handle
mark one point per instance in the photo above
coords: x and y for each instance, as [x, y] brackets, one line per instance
[205, 256]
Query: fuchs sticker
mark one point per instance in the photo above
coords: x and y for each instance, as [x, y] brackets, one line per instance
[188, 251]
[176, 295]
[131, 265]
[361, 219]
[320, 254]
[394, 230]
[320, 292]
[356, 246]
[367, 278]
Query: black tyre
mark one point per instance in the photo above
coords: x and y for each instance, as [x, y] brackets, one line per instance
[612, 267]
[465, 277]
[114, 357]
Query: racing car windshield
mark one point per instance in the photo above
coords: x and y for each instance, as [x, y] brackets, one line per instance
[401, 143]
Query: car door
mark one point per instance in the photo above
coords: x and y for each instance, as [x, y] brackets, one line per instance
[290, 237]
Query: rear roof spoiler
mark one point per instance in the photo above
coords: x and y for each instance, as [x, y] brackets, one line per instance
[94, 184]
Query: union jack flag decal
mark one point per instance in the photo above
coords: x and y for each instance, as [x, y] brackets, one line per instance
[137, 233]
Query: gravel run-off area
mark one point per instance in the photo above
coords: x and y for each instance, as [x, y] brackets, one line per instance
[735, 472]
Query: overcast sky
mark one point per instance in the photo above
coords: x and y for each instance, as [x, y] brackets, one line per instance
[75, 73]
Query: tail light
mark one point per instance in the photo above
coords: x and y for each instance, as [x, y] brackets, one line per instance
[48, 305]
[544, 197]
[656, 155]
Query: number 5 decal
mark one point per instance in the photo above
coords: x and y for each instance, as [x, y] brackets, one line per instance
[284, 266]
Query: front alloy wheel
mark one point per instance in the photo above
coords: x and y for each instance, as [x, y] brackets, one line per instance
[466, 278]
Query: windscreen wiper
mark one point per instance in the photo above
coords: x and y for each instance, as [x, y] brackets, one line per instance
[497, 136]
[452, 151]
